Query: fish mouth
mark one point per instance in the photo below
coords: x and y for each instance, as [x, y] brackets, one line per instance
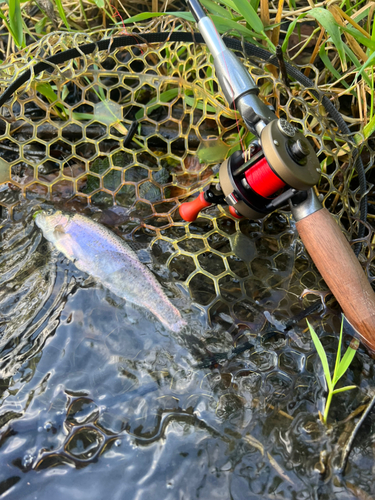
[35, 214]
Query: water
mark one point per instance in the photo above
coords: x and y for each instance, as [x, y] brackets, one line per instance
[98, 400]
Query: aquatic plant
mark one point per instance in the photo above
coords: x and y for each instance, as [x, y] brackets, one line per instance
[341, 365]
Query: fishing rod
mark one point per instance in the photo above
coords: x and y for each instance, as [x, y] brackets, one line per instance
[319, 232]
[281, 167]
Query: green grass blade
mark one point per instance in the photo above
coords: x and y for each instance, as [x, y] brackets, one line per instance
[343, 389]
[322, 355]
[359, 37]
[100, 3]
[229, 4]
[326, 19]
[372, 95]
[15, 21]
[166, 96]
[190, 101]
[214, 8]
[247, 11]
[64, 93]
[147, 15]
[39, 26]
[338, 355]
[60, 8]
[368, 130]
[327, 62]
[46, 90]
[356, 62]
[362, 15]
[370, 62]
[224, 25]
[345, 363]
[82, 116]
[6, 24]
[290, 31]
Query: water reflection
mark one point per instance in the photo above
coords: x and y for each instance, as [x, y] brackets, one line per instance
[98, 401]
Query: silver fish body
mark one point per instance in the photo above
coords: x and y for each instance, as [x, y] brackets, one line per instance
[102, 254]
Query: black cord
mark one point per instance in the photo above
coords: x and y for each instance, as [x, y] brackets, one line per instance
[110, 44]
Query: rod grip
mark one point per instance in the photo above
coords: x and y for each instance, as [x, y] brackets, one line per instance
[341, 271]
[189, 211]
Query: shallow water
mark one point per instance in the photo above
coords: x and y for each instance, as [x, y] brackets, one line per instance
[98, 400]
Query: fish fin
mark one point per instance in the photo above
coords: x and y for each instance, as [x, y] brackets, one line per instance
[59, 231]
[65, 244]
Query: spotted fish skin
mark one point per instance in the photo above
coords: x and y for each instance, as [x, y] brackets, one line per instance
[105, 256]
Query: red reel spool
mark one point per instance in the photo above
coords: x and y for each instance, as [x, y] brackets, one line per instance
[263, 180]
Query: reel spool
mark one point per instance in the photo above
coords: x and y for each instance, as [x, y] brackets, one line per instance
[251, 181]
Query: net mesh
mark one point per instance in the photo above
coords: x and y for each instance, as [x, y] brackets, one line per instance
[62, 141]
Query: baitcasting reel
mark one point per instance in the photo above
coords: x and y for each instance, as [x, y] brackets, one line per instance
[276, 167]
[281, 166]
[263, 177]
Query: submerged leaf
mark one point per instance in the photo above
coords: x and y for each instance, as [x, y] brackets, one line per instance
[212, 151]
[166, 96]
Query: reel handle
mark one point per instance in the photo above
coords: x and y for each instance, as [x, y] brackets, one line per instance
[341, 271]
[189, 210]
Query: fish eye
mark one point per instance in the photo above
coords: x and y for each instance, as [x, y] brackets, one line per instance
[50, 211]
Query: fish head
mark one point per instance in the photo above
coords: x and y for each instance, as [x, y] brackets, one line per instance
[51, 222]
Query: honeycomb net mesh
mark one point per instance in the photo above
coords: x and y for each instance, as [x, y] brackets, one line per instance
[62, 141]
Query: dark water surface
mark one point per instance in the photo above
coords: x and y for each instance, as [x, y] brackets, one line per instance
[99, 401]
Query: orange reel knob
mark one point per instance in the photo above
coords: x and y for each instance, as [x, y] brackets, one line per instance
[234, 213]
[189, 211]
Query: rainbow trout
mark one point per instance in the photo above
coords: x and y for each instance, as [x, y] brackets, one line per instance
[100, 253]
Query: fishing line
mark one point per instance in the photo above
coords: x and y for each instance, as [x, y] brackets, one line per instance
[263, 180]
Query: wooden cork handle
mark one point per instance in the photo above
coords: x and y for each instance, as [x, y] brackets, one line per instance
[341, 270]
